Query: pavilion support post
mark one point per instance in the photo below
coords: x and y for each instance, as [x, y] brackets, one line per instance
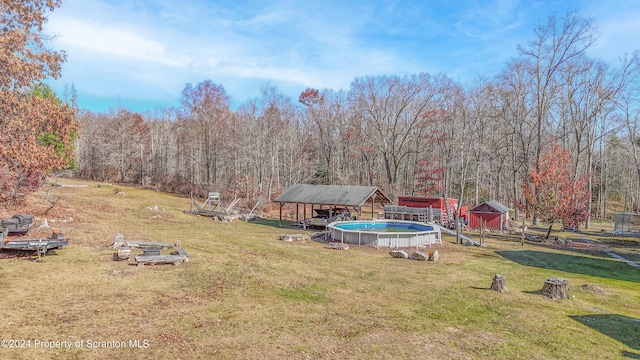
[373, 201]
[280, 217]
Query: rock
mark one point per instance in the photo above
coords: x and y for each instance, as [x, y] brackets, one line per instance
[593, 288]
[319, 236]
[401, 254]
[535, 238]
[434, 256]
[286, 237]
[295, 237]
[420, 256]
[337, 246]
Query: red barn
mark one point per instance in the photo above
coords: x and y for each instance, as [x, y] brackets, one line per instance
[493, 214]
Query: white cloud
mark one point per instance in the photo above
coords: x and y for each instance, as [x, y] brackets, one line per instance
[95, 40]
[151, 49]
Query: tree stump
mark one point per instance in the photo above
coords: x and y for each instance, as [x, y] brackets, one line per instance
[556, 289]
[498, 283]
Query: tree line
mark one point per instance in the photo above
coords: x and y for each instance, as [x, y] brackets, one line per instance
[411, 135]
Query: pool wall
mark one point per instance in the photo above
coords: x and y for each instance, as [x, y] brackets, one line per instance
[351, 232]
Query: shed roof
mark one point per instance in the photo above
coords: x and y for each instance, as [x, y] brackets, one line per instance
[492, 204]
[332, 195]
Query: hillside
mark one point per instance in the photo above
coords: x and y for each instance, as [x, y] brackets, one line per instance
[244, 294]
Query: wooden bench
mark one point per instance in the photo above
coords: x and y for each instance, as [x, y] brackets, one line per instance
[147, 244]
[151, 251]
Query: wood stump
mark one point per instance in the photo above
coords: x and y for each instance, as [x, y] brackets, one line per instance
[498, 283]
[556, 288]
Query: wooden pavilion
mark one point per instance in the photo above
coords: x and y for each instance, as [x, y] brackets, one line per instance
[333, 196]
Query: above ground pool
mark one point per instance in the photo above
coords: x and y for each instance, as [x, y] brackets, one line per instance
[385, 233]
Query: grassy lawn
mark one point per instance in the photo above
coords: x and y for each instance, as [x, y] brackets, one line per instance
[244, 294]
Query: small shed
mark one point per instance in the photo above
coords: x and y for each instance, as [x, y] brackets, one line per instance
[491, 213]
[625, 223]
[333, 196]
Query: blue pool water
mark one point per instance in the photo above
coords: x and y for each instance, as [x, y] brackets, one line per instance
[383, 226]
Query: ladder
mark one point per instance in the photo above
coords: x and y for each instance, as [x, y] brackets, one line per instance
[449, 212]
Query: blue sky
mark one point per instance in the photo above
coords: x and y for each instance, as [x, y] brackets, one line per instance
[140, 54]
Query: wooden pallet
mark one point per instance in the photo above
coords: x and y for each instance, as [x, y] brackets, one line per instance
[135, 244]
[160, 259]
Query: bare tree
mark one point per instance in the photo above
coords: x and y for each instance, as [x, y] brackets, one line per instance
[628, 104]
[327, 113]
[126, 138]
[163, 130]
[557, 43]
[392, 109]
[207, 105]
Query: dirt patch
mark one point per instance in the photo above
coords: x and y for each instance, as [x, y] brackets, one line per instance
[10, 254]
[595, 289]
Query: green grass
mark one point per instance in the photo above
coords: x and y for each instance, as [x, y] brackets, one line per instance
[245, 294]
[622, 328]
[572, 263]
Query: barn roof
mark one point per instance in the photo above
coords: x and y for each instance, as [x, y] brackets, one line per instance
[492, 204]
[332, 195]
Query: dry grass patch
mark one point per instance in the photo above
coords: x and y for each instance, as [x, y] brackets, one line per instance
[245, 294]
